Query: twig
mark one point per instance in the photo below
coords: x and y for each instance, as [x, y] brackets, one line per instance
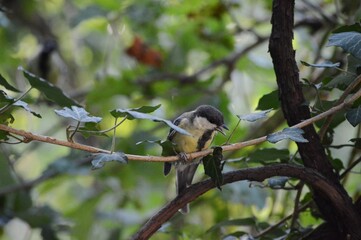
[28, 137]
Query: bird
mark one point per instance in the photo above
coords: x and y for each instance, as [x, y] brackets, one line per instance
[202, 124]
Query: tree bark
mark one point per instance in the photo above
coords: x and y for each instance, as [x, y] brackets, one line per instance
[295, 110]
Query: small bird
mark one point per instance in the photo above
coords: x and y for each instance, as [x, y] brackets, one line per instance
[202, 123]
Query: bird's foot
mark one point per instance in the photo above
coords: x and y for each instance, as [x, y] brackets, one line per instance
[183, 159]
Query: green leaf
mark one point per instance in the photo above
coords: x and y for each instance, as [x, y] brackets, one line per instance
[167, 146]
[6, 85]
[134, 113]
[354, 116]
[77, 113]
[326, 64]
[277, 182]
[269, 101]
[234, 222]
[337, 164]
[295, 134]
[349, 41]
[344, 79]
[91, 129]
[52, 92]
[267, 155]
[213, 166]
[101, 158]
[128, 112]
[252, 117]
[348, 28]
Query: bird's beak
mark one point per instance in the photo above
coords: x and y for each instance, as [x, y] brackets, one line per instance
[220, 129]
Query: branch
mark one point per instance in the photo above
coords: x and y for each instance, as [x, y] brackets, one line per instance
[295, 111]
[28, 137]
[310, 176]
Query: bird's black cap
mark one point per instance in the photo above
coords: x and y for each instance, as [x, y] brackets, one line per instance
[211, 113]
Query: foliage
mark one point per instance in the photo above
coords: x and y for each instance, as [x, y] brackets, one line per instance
[146, 62]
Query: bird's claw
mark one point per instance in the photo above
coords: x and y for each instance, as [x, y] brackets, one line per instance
[183, 159]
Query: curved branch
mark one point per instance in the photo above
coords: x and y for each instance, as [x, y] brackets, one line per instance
[310, 176]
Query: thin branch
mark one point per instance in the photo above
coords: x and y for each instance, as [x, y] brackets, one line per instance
[28, 137]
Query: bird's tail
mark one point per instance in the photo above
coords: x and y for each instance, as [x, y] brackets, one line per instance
[185, 174]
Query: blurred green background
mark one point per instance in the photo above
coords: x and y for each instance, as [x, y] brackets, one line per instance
[188, 53]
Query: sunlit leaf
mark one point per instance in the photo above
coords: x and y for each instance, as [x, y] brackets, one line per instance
[101, 158]
[6, 85]
[77, 113]
[353, 116]
[136, 114]
[213, 166]
[52, 92]
[349, 41]
[294, 134]
[252, 117]
[322, 65]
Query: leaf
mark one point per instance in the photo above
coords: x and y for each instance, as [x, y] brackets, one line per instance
[295, 134]
[4, 98]
[267, 155]
[213, 166]
[344, 79]
[348, 28]
[349, 41]
[124, 112]
[357, 142]
[77, 113]
[326, 64]
[269, 101]
[52, 92]
[277, 182]
[233, 222]
[91, 129]
[6, 85]
[167, 146]
[252, 117]
[354, 116]
[337, 164]
[135, 113]
[25, 106]
[101, 158]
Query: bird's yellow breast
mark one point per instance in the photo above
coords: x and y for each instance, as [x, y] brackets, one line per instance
[189, 144]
